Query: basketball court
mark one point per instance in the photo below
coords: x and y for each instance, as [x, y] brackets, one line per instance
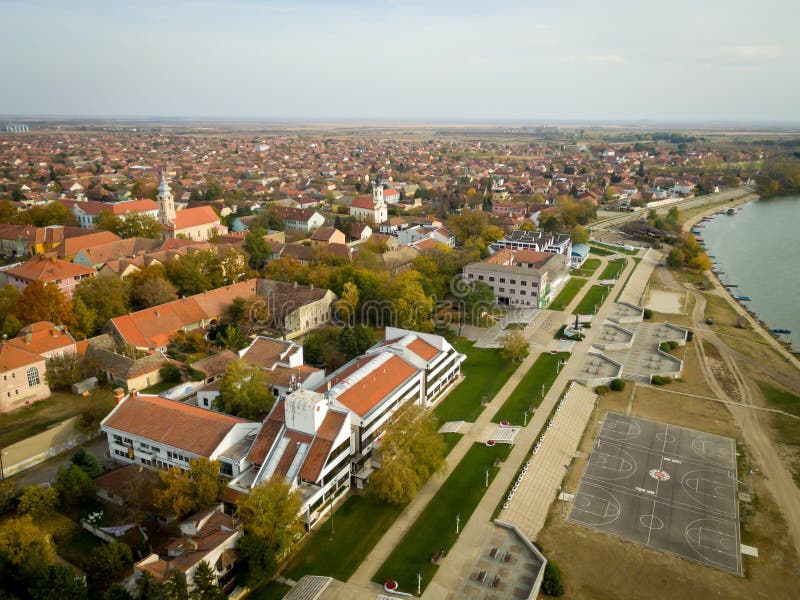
[663, 486]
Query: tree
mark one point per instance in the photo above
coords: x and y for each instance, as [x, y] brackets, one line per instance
[73, 485]
[108, 563]
[231, 337]
[87, 461]
[251, 314]
[175, 587]
[183, 492]
[49, 214]
[170, 372]
[204, 584]
[474, 225]
[44, 302]
[153, 291]
[106, 296]
[139, 225]
[117, 591]
[8, 491]
[245, 391]
[59, 582]
[148, 588]
[515, 346]
[37, 501]
[354, 341]
[579, 235]
[411, 451]
[189, 341]
[270, 519]
[673, 214]
[9, 323]
[347, 304]
[25, 553]
[65, 369]
[257, 248]
[479, 298]
[552, 584]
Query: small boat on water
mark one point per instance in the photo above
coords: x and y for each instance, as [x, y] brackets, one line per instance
[742, 298]
[731, 211]
[784, 331]
[729, 285]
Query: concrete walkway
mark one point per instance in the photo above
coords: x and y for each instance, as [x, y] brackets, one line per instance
[634, 291]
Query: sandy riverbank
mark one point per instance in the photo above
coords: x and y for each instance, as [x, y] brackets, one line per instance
[695, 219]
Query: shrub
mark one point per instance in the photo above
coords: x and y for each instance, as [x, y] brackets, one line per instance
[648, 314]
[618, 385]
[170, 372]
[659, 380]
[601, 389]
[667, 346]
[552, 583]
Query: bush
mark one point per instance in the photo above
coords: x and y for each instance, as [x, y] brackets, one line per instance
[170, 372]
[552, 582]
[648, 314]
[659, 380]
[618, 385]
[601, 389]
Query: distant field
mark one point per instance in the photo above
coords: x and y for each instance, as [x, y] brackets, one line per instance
[567, 293]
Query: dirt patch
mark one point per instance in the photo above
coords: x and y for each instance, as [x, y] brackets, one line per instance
[673, 303]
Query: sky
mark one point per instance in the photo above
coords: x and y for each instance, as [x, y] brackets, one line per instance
[414, 60]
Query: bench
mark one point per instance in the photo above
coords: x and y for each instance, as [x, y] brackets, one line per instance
[507, 557]
[437, 557]
[481, 577]
[495, 581]
[493, 553]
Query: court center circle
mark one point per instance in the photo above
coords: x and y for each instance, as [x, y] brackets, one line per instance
[665, 437]
[651, 522]
[659, 475]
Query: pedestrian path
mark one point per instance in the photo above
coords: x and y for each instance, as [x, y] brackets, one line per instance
[546, 469]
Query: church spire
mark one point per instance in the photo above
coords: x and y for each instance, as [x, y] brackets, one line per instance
[166, 204]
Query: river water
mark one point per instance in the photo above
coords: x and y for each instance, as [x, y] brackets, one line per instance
[758, 248]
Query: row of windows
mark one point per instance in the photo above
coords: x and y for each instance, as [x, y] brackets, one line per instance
[32, 374]
[175, 456]
[522, 282]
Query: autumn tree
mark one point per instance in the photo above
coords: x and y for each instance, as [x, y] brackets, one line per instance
[244, 391]
[106, 297]
[44, 302]
[411, 451]
[473, 225]
[37, 501]
[65, 369]
[131, 225]
[9, 323]
[152, 291]
[257, 248]
[515, 346]
[183, 492]
[579, 235]
[347, 304]
[251, 314]
[270, 521]
[25, 552]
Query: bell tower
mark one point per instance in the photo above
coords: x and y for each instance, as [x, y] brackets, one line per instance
[166, 203]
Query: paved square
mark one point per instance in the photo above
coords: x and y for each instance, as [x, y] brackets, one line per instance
[663, 486]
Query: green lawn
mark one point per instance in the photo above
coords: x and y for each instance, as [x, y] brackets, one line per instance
[780, 399]
[271, 591]
[599, 251]
[486, 371]
[567, 293]
[450, 441]
[157, 388]
[592, 300]
[358, 524]
[529, 390]
[613, 249]
[435, 529]
[613, 269]
[35, 418]
[588, 267]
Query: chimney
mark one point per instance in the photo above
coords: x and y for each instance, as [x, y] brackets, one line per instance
[134, 393]
[295, 284]
[28, 337]
[119, 394]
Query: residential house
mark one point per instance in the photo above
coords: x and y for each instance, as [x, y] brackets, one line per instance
[66, 275]
[578, 255]
[360, 231]
[97, 256]
[69, 247]
[327, 235]
[23, 375]
[208, 536]
[372, 209]
[87, 212]
[122, 370]
[45, 339]
[298, 219]
[296, 309]
[538, 241]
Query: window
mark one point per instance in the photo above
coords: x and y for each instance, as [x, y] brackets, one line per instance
[502, 289]
[118, 439]
[523, 283]
[33, 377]
[502, 280]
[491, 278]
[522, 292]
[513, 282]
[480, 277]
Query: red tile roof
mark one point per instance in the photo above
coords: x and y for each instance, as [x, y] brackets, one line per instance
[14, 358]
[41, 268]
[175, 424]
[192, 217]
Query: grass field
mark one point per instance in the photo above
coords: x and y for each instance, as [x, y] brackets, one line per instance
[589, 266]
[592, 300]
[271, 591]
[357, 526]
[435, 528]
[599, 251]
[35, 418]
[486, 371]
[157, 388]
[529, 390]
[780, 399]
[613, 249]
[567, 293]
[613, 269]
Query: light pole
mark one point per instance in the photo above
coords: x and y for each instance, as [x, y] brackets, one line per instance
[2, 468]
[542, 391]
[419, 583]
[524, 418]
[563, 481]
[458, 522]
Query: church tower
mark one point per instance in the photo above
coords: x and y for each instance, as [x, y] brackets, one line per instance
[166, 204]
[377, 193]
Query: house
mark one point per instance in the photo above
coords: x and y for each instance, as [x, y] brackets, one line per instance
[153, 328]
[371, 209]
[578, 255]
[97, 256]
[283, 360]
[400, 259]
[69, 247]
[422, 232]
[200, 223]
[23, 375]
[520, 278]
[208, 536]
[22, 240]
[296, 309]
[121, 370]
[360, 231]
[45, 339]
[66, 275]
[87, 212]
[327, 235]
[158, 433]
[298, 219]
